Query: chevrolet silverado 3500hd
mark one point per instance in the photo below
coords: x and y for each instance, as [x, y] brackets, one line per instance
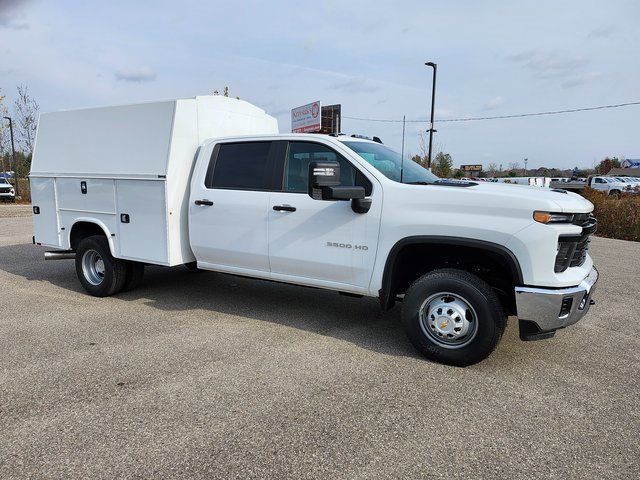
[210, 183]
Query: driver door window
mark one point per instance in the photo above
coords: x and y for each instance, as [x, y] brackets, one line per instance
[296, 168]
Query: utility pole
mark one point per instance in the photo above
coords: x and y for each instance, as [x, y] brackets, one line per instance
[525, 166]
[433, 98]
[402, 154]
[13, 154]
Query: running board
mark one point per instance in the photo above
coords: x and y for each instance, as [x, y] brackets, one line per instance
[60, 255]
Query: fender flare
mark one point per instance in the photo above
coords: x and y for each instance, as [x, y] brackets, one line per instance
[387, 297]
[98, 223]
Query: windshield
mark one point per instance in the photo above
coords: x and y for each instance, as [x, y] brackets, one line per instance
[3, 180]
[389, 163]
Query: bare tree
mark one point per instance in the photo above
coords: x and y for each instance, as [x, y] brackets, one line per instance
[5, 145]
[492, 169]
[26, 121]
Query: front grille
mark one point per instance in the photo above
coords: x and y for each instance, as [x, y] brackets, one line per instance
[572, 249]
[5, 189]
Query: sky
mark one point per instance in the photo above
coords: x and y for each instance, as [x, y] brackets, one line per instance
[494, 58]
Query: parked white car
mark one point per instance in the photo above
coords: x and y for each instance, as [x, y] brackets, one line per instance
[209, 182]
[7, 192]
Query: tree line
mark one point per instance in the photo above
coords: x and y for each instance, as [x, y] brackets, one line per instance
[24, 116]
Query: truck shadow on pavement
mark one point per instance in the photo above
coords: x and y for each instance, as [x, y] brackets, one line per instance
[359, 321]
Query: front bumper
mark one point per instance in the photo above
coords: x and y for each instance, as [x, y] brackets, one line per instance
[550, 309]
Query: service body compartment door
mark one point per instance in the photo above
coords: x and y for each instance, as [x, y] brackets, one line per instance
[45, 222]
[142, 221]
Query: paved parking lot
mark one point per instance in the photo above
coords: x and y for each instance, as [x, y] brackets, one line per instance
[212, 376]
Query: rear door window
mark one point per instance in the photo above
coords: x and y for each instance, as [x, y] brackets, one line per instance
[241, 166]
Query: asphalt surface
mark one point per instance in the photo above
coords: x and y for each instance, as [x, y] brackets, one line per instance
[211, 376]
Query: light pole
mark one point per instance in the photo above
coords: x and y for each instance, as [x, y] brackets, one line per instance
[525, 166]
[13, 155]
[433, 98]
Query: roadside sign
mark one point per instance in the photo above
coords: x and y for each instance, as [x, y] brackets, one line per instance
[306, 118]
[471, 168]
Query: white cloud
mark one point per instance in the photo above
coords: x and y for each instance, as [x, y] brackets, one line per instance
[551, 64]
[495, 102]
[581, 79]
[13, 22]
[141, 74]
[602, 32]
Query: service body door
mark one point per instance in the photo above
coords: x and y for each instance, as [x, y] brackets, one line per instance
[228, 209]
[45, 211]
[324, 241]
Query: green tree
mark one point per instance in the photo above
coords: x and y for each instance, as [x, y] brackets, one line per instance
[442, 165]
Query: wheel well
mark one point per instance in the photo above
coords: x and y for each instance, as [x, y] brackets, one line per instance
[82, 230]
[410, 259]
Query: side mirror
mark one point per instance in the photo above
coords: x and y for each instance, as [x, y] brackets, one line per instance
[324, 184]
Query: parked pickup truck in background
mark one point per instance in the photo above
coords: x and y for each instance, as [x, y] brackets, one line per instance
[210, 183]
[609, 185]
[7, 192]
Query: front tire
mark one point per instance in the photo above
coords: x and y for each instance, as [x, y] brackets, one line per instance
[453, 317]
[99, 272]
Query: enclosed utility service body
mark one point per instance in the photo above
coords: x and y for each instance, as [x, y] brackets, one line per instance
[127, 169]
[210, 183]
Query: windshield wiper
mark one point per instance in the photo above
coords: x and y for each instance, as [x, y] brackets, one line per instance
[418, 183]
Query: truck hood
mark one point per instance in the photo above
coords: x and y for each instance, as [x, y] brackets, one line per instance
[506, 197]
[534, 198]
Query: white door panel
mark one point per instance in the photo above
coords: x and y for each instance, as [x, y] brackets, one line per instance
[232, 231]
[323, 240]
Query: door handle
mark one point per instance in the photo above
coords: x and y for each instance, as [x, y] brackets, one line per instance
[284, 208]
[208, 203]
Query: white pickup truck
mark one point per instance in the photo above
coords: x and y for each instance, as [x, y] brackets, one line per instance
[610, 185]
[210, 183]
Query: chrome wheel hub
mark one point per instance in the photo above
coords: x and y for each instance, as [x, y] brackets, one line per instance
[93, 267]
[448, 319]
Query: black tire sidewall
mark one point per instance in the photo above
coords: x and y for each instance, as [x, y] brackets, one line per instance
[477, 293]
[114, 269]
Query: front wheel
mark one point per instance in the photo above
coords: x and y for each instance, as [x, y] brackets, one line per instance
[453, 317]
[99, 272]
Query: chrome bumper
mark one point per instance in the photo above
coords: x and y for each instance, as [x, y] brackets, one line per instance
[551, 309]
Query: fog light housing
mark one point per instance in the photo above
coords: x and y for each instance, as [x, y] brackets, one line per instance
[565, 307]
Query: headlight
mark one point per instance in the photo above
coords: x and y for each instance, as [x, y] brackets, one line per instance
[550, 217]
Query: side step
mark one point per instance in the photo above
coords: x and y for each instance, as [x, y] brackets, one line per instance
[60, 255]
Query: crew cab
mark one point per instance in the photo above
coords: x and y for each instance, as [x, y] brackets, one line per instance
[210, 183]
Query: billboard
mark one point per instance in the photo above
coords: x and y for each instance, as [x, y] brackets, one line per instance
[306, 118]
[331, 116]
[471, 168]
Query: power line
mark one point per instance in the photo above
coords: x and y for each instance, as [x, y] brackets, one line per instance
[473, 119]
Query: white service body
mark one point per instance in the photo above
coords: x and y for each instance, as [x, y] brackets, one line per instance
[134, 160]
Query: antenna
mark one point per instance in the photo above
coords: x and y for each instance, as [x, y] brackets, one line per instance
[402, 159]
